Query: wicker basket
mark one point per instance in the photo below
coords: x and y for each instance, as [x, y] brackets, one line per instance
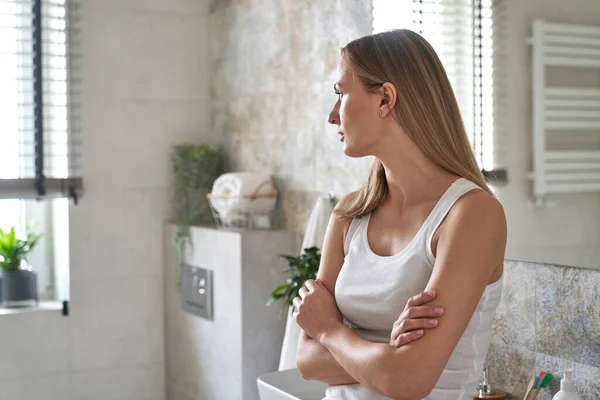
[246, 211]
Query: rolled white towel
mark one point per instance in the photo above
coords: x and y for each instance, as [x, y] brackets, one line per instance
[243, 193]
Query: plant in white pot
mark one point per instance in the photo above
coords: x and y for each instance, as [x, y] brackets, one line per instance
[17, 281]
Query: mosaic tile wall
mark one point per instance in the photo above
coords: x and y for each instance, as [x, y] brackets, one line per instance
[548, 319]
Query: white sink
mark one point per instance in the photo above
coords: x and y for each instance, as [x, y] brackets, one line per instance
[289, 385]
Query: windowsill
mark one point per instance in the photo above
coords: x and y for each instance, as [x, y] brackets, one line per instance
[42, 306]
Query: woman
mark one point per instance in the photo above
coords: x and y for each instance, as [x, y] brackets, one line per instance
[423, 221]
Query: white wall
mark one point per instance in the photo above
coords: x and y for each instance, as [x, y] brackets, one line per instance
[144, 87]
[221, 359]
[569, 232]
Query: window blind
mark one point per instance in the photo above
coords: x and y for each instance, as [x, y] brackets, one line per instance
[39, 124]
[462, 34]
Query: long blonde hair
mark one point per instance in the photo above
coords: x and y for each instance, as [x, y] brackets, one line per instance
[425, 108]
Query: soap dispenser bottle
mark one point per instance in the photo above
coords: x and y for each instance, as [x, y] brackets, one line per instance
[484, 389]
[567, 387]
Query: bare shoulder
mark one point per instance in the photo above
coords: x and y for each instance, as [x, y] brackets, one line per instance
[477, 220]
[478, 207]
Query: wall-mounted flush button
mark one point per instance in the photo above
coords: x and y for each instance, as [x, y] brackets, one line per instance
[196, 291]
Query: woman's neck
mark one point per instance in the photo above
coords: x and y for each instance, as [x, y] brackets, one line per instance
[415, 179]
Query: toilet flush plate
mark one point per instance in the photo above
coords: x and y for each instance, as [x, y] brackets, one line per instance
[197, 291]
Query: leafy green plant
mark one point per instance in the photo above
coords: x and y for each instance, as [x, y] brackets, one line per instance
[300, 268]
[14, 249]
[195, 168]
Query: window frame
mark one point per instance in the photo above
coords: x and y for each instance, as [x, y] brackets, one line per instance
[40, 198]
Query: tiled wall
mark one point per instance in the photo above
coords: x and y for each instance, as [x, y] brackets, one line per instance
[548, 320]
[144, 86]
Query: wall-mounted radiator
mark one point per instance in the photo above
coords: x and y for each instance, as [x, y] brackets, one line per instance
[564, 110]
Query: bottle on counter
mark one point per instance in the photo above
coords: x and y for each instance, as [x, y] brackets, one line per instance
[567, 387]
[485, 391]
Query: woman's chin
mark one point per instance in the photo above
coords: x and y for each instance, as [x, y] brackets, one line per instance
[352, 152]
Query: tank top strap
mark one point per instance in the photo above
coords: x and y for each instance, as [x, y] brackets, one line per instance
[458, 189]
[354, 227]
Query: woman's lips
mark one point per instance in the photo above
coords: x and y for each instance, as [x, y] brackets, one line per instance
[341, 136]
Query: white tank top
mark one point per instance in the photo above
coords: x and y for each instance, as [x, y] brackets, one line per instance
[371, 292]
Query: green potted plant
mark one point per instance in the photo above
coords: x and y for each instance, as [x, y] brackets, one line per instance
[300, 268]
[18, 282]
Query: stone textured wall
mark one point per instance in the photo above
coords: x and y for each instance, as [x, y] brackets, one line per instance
[548, 320]
[274, 65]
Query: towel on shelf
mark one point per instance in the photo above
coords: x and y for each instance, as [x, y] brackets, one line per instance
[313, 237]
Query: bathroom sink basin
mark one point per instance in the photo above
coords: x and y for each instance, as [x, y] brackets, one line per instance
[289, 385]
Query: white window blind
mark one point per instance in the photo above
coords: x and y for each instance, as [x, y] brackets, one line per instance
[38, 121]
[462, 34]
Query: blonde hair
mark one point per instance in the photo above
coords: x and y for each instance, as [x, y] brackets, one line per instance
[425, 108]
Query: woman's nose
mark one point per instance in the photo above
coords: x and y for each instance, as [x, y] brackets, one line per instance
[334, 116]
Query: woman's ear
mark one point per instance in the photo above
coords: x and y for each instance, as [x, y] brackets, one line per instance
[388, 98]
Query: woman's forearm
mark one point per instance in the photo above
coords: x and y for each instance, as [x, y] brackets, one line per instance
[373, 364]
[315, 362]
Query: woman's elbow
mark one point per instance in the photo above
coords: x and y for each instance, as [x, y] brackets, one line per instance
[406, 389]
[303, 362]
[404, 394]
[304, 369]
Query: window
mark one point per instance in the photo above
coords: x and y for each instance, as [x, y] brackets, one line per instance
[461, 32]
[38, 127]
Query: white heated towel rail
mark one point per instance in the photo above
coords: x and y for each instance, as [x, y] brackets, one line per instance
[566, 109]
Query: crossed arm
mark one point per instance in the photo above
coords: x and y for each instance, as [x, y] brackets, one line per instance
[470, 247]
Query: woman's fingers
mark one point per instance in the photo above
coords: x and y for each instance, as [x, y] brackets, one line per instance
[422, 312]
[409, 325]
[406, 338]
[309, 285]
[415, 318]
[421, 298]
[302, 292]
[297, 301]
[419, 317]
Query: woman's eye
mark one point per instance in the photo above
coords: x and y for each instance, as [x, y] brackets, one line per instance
[339, 94]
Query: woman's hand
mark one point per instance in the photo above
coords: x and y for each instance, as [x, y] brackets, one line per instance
[316, 310]
[415, 318]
